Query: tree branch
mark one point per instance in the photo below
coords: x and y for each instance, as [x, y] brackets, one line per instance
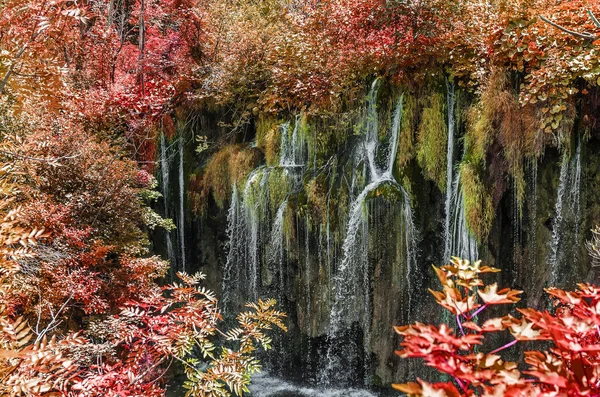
[585, 36]
[594, 19]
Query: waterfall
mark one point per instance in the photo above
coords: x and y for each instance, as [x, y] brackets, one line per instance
[458, 241]
[351, 282]
[254, 237]
[293, 148]
[532, 219]
[565, 226]
[516, 212]
[252, 218]
[462, 243]
[449, 175]
[241, 275]
[234, 240]
[371, 141]
[181, 225]
[164, 169]
[256, 240]
[276, 255]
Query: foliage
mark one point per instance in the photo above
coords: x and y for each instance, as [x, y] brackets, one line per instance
[93, 203]
[180, 324]
[31, 44]
[593, 246]
[569, 367]
[125, 354]
[30, 363]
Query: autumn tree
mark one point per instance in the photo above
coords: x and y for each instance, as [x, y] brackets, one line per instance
[568, 368]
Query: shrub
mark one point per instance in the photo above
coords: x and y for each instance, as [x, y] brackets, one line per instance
[570, 367]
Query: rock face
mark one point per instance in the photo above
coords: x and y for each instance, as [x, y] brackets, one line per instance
[344, 237]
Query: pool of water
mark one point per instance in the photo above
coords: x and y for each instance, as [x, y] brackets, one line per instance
[265, 385]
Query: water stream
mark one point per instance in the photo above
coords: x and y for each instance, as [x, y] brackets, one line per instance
[458, 241]
[351, 265]
[165, 186]
[450, 173]
[181, 220]
[351, 283]
[567, 218]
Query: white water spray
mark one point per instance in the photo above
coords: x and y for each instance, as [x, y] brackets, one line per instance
[351, 282]
[458, 241]
[165, 184]
[181, 226]
[565, 227]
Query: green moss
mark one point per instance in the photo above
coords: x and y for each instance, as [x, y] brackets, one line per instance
[253, 192]
[232, 164]
[326, 134]
[499, 117]
[406, 141]
[387, 191]
[479, 134]
[268, 138]
[316, 197]
[289, 223]
[279, 188]
[432, 140]
[479, 209]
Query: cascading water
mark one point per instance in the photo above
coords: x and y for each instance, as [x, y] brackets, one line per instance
[257, 247]
[249, 222]
[334, 241]
[165, 185]
[293, 148]
[351, 282]
[181, 223]
[234, 243]
[243, 262]
[463, 244]
[530, 263]
[449, 175]
[565, 226]
[458, 241]
[276, 249]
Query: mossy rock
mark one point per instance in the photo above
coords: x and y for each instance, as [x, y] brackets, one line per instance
[388, 191]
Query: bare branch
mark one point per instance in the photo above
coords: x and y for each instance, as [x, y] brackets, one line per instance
[585, 36]
[594, 19]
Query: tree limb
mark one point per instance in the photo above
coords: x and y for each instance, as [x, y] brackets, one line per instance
[585, 36]
[594, 19]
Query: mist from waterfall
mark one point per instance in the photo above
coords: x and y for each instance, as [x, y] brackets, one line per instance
[458, 241]
[181, 220]
[351, 282]
[254, 235]
[165, 186]
[567, 216]
[293, 146]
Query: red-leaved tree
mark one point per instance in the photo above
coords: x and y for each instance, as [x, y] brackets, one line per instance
[569, 367]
